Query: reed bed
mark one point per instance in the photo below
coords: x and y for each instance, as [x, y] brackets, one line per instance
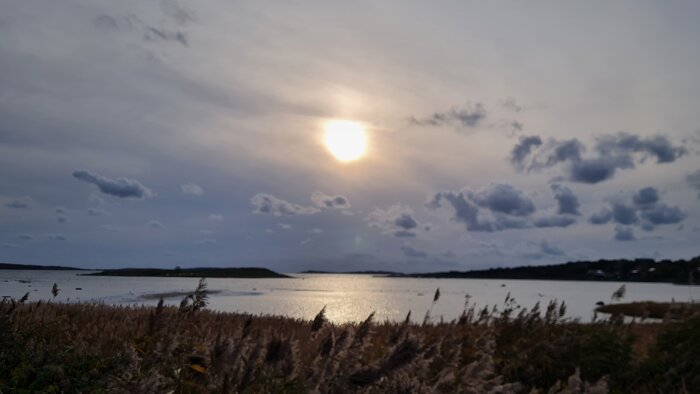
[95, 348]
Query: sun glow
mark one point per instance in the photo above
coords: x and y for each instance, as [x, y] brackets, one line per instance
[346, 140]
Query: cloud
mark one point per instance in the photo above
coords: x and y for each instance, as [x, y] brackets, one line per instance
[496, 207]
[623, 233]
[205, 241]
[17, 204]
[522, 150]
[646, 197]
[657, 146]
[503, 198]
[155, 224]
[601, 217]
[469, 116]
[410, 251]
[284, 226]
[216, 217]
[397, 220]
[663, 214]
[554, 221]
[566, 199]
[316, 231]
[191, 188]
[624, 214]
[694, 181]
[325, 201]
[61, 210]
[499, 207]
[612, 152]
[121, 187]
[62, 219]
[25, 237]
[96, 212]
[644, 208]
[57, 237]
[268, 204]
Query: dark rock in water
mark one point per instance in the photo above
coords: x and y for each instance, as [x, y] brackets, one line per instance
[503, 285]
[78, 288]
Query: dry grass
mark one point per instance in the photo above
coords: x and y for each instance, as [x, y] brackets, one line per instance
[649, 309]
[54, 347]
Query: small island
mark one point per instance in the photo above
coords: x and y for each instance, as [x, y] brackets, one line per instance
[6, 266]
[205, 272]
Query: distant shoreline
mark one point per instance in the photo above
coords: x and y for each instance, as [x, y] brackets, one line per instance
[208, 272]
[680, 272]
[32, 267]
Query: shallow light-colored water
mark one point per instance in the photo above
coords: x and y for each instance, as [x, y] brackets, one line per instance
[346, 297]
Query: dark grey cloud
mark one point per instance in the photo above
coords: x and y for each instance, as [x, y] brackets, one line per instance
[624, 233]
[645, 197]
[62, 219]
[121, 187]
[61, 210]
[657, 146]
[17, 204]
[612, 153]
[521, 151]
[25, 237]
[554, 221]
[57, 237]
[663, 214]
[397, 220]
[269, 204]
[603, 216]
[469, 116]
[503, 198]
[693, 180]
[624, 214]
[644, 208]
[410, 251]
[566, 200]
[496, 207]
[325, 201]
[597, 169]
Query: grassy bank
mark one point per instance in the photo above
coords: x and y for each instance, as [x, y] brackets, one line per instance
[53, 347]
[653, 310]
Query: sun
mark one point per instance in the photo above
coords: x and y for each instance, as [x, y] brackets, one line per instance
[345, 140]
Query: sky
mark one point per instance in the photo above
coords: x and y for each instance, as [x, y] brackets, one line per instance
[166, 133]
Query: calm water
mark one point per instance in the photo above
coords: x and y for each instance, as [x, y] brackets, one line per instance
[346, 297]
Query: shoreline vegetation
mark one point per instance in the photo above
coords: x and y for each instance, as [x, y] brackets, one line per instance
[93, 347]
[682, 272]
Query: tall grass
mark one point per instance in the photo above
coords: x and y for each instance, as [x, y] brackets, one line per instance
[92, 347]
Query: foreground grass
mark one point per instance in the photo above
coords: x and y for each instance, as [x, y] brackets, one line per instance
[53, 347]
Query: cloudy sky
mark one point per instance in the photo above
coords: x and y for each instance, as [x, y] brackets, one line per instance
[173, 132]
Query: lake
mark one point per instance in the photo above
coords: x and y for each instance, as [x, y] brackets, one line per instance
[346, 297]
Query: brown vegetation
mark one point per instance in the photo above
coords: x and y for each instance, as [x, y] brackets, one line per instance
[653, 310]
[54, 347]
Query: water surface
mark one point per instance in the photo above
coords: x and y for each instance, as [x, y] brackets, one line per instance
[346, 297]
